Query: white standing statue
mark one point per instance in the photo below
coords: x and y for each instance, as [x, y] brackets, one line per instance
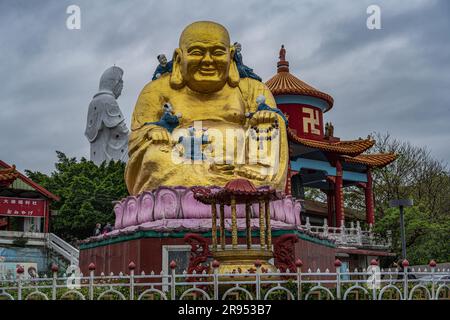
[106, 129]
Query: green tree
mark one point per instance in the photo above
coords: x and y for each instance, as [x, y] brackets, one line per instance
[418, 176]
[87, 193]
[426, 238]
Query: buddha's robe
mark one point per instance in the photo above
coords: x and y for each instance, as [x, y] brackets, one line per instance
[152, 165]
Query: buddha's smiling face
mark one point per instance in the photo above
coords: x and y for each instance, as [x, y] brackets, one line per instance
[205, 56]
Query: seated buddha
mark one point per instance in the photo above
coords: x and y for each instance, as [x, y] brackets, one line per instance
[204, 87]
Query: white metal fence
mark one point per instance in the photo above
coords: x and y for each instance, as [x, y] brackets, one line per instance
[352, 235]
[370, 284]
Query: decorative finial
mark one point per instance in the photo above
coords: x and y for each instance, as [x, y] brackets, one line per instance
[283, 65]
[329, 130]
[282, 53]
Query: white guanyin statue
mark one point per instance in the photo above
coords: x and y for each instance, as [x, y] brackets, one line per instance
[105, 128]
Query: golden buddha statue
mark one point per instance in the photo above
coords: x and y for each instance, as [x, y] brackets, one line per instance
[204, 87]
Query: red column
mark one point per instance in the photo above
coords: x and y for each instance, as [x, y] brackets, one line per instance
[288, 187]
[339, 195]
[46, 217]
[330, 205]
[370, 215]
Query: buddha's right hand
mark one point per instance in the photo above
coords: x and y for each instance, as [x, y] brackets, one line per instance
[159, 136]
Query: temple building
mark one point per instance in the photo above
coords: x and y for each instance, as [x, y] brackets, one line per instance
[25, 236]
[24, 201]
[318, 159]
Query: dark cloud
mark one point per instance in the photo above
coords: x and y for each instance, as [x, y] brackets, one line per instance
[395, 79]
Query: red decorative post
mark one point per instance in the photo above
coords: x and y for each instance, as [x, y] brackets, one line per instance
[339, 195]
[91, 266]
[287, 189]
[432, 264]
[20, 270]
[55, 268]
[330, 207]
[215, 264]
[370, 215]
[337, 263]
[47, 217]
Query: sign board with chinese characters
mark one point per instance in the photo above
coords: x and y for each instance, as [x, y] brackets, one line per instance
[22, 207]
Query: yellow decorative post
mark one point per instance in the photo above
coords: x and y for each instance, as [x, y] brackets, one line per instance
[269, 230]
[222, 227]
[214, 225]
[240, 192]
[262, 225]
[234, 228]
[248, 225]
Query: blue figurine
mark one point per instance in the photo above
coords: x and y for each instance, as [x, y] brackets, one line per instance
[244, 71]
[192, 144]
[168, 120]
[262, 106]
[163, 67]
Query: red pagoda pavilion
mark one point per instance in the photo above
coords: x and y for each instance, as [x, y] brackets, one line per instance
[318, 159]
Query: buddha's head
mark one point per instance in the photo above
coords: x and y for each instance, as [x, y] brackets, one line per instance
[204, 60]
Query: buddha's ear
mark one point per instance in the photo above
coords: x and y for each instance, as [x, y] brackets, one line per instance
[233, 73]
[176, 78]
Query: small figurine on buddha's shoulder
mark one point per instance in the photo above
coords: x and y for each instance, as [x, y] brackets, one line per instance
[168, 120]
[262, 106]
[244, 71]
[163, 67]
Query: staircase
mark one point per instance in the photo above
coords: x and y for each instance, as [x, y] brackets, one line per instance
[63, 248]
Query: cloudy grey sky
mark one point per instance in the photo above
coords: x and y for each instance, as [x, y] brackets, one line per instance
[396, 79]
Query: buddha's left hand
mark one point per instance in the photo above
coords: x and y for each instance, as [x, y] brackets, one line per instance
[263, 117]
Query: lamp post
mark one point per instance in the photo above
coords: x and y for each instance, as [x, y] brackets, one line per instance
[401, 203]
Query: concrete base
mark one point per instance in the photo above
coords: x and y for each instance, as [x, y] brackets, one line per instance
[154, 251]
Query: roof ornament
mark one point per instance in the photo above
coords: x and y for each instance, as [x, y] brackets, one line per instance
[283, 65]
[329, 130]
[282, 53]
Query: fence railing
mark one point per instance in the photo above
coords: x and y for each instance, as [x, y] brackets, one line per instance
[370, 284]
[63, 248]
[352, 235]
[31, 238]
